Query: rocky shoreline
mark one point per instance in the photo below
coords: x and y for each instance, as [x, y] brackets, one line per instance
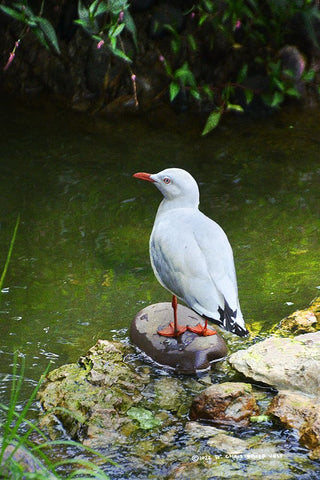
[109, 399]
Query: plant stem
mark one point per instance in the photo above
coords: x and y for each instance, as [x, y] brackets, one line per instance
[9, 253]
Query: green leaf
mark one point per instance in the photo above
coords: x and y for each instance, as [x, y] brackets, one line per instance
[40, 36]
[277, 99]
[116, 51]
[212, 121]
[308, 75]
[279, 84]
[293, 92]
[93, 8]
[131, 26]
[243, 73]
[208, 91]
[146, 418]
[49, 32]
[102, 8]
[185, 75]
[13, 13]
[202, 19]
[116, 30]
[232, 106]
[192, 42]
[117, 6]
[195, 93]
[174, 89]
[83, 12]
[249, 95]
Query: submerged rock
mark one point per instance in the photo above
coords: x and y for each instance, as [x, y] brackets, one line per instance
[27, 462]
[217, 438]
[284, 363]
[227, 403]
[302, 412]
[187, 353]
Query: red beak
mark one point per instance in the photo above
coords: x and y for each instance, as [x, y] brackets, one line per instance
[143, 176]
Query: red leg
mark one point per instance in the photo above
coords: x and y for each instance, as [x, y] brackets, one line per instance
[204, 331]
[173, 329]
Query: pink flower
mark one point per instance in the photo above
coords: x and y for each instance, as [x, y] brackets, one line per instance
[161, 58]
[100, 44]
[133, 77]
[237, 24]
[12, 55]
[121, 15]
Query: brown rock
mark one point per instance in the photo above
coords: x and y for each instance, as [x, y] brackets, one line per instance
[187, 353]
[303, 321]
[302, 413]
[226, 403]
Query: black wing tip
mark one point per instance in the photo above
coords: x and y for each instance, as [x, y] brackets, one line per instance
[228, 321]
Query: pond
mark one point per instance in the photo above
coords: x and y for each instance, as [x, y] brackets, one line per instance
[80, 267]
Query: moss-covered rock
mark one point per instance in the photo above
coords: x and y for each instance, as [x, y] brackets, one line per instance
[302, 321]
[91, 398]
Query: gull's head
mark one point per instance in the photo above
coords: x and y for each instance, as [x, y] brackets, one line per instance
[174, 184]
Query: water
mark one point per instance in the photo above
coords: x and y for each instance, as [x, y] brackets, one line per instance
[80, 269]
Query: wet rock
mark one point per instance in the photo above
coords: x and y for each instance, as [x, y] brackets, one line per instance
[227, 403]
[217, 438]
[303, 321]
[284, 363]
[302, 413]
[27, 462]
[169, 393]
[91, 398]
[187, 353]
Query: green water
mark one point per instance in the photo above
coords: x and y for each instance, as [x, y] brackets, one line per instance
[80, 267]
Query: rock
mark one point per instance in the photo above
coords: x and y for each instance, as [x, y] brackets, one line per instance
[186, 354]
[303, 321]
[26, 460]
[284, 363]
[218, 438]
[302, 412]
[292, 60]
[227, 403]
[169, 393]
[91, 398]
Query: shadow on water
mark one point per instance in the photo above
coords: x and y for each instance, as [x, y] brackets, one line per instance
[80, 268]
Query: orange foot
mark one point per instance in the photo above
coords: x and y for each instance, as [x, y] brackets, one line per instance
[171, 331]
[200, 330]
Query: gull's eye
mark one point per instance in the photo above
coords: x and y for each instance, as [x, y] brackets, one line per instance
[166, 180]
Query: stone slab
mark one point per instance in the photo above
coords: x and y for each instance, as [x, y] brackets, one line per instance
[188, 353]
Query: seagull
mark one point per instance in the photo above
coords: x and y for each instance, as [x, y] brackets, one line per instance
[192, 257]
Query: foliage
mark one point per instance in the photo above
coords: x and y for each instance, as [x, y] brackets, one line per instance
[41, 27]
[6, 265]
[106, 20]
[246, 25]
[16, 433]
[258, 30]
